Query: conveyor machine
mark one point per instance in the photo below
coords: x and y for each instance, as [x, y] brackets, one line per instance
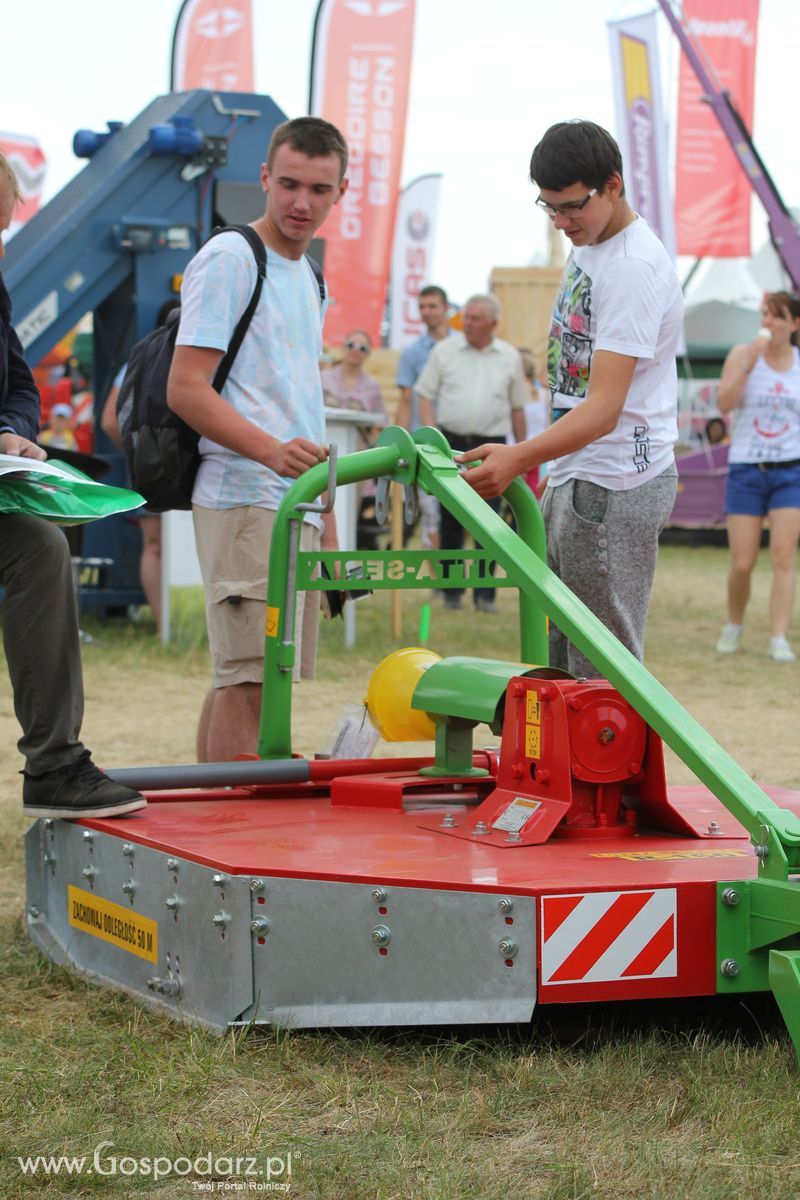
[114, 243]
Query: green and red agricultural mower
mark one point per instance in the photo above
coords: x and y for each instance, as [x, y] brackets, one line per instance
[469, 886]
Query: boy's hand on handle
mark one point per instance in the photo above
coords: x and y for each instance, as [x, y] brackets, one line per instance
[500, 464]
[292, 458]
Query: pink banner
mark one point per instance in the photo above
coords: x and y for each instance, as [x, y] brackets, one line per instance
[30, 165]
[712, 196]
[360, 78]
[213, 46]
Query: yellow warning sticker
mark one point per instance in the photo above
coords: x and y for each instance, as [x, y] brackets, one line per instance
[533, 708]
[672, 855]
[533, 741]
[113, 923]
[273, 616]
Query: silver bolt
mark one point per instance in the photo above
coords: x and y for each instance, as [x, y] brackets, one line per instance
[507, 948]
[730, 967]
[88, 835]
[381, 935]
[259, 925]
[505, 905]
[761, 851]
[173, 864]
[220, 920]
[480, 829]
[448, 821]
[714, 829]
[152, 981]
[33, 912]
[172, 903]
[129, 887]
[49, 823]
[49, 860]
[730, 897]
[219, 880]
[256, 886]
[128, 849]
[378, 895]
[88, 872]
[513, 836]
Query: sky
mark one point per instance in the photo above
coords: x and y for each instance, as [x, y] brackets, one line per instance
[487, 80]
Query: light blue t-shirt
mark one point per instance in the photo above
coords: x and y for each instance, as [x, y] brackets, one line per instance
[275, 379]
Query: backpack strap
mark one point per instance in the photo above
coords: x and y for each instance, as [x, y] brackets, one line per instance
[260, 255]
[320, 278]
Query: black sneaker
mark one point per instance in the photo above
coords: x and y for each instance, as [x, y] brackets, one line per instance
[78, 790]
[452, 601]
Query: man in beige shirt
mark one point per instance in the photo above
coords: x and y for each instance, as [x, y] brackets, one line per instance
[478, 384]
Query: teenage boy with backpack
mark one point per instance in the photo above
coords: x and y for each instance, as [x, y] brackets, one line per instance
[611, 365]
[266, 428]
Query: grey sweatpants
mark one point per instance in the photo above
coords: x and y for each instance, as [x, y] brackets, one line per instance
[41, 639]
[603, 545]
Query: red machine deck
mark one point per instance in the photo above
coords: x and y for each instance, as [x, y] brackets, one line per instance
[296, 832]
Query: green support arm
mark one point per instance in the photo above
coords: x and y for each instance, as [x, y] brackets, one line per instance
[775, 830]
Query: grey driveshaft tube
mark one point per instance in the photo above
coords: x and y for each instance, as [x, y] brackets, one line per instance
[219, 774]
[271, 770]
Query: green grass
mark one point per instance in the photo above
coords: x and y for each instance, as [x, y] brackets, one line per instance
[693, 1099]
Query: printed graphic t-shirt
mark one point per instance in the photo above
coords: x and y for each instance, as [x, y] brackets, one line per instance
[275, 379]
[621, 295]
[767, 422]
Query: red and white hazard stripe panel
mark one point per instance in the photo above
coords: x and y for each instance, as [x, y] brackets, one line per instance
[606, 937]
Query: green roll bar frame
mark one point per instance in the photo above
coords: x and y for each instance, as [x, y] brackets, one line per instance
[758, 933]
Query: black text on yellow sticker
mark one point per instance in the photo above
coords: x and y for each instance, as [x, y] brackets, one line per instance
[113, 923]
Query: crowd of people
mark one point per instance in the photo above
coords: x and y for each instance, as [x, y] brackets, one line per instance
[602, 420]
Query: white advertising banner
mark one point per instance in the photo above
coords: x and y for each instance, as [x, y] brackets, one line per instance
[641, 123]
[412, 255]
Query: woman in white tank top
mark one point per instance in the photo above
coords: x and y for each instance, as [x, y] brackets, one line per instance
[760, 385]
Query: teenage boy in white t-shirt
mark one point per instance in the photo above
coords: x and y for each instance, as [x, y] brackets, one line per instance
[268, 425]
[611, 366]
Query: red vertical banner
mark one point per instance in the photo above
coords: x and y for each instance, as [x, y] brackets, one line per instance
[360, 75]
[213, 46]
[712, 194]
[29, 164]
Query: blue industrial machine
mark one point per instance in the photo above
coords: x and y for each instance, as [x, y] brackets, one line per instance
[114, 243]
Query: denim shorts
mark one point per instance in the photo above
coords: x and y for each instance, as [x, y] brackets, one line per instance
[754, 492]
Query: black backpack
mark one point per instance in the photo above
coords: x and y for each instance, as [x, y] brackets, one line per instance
[160, 448]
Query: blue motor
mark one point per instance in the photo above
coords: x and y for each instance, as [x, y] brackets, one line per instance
[179, 136]
[86, 142]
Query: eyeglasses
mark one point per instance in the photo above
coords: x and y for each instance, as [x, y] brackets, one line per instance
[362, 349]
[564, 210]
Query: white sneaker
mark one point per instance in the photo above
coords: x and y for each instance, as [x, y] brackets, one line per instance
[780, 650]
[729, 639]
